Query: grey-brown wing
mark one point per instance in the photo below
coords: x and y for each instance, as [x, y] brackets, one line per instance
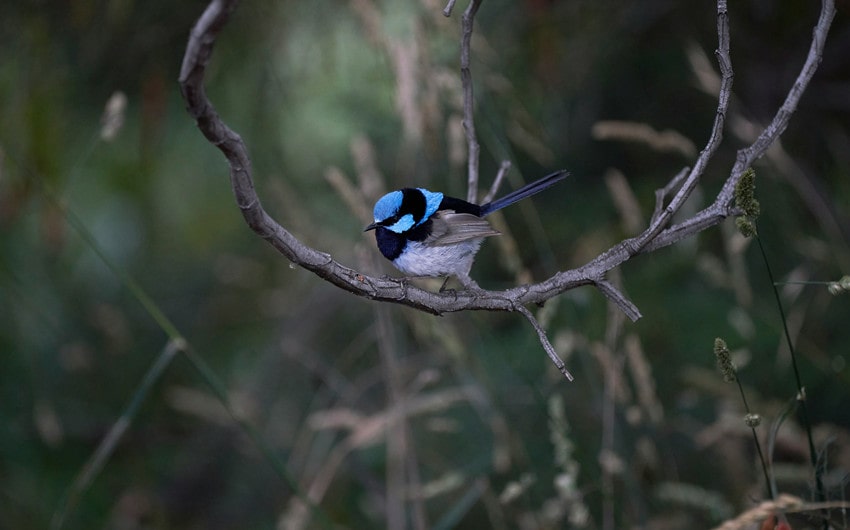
[450, 227]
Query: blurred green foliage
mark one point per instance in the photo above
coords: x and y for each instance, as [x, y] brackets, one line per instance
[310, 86]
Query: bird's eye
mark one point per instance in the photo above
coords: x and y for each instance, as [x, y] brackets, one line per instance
[386, 222]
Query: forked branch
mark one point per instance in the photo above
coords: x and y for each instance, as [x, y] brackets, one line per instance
[658, 235]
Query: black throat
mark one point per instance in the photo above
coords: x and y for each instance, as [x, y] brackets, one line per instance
[392, 244]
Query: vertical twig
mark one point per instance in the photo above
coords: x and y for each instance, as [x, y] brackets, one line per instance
[774, 130]
[783, 115]
[468, 105]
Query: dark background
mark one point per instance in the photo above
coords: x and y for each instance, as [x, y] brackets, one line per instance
[310, 86]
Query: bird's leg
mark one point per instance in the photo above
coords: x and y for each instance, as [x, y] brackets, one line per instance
[468, 283]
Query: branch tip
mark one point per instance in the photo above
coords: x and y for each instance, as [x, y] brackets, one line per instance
[544, 341]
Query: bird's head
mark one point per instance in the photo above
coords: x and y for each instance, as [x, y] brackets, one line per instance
[401, 210]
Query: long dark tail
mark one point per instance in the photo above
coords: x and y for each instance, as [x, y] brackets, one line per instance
[525, 191]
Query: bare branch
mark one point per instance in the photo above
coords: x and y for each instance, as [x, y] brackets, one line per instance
[659, 222]
[777, 126]
[615, 296]
[658, 235]
[450, 5]
[720, 208]
[448, 9]
[544, 341]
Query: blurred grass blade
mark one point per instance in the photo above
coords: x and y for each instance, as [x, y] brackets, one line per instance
[138, 292]
[220, 391]
[175, 344]
[107, 446]
[457, 512]
[801, 391]
[786, 411]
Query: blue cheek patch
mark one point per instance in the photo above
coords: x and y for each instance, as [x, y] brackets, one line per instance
[432, 203]
[402, 225]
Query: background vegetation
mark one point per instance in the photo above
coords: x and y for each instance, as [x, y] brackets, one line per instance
[395, 416]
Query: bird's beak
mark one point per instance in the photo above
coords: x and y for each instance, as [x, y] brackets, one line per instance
[371, 227]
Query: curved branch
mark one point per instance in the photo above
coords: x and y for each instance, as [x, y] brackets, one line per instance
[721, 207]
[777, 126]
[664, 215]
[198, 54]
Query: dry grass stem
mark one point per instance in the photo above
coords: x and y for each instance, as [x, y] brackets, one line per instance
[624, 131]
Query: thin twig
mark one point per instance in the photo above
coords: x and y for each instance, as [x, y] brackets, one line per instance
[614, 295]
[468, 100]
[447, 11]
[662, 193]
[780, 121]
[497, 182]
[544, 341]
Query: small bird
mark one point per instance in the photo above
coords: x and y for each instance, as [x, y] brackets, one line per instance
[425, 233]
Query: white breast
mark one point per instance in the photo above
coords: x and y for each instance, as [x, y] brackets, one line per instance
[420, 259]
